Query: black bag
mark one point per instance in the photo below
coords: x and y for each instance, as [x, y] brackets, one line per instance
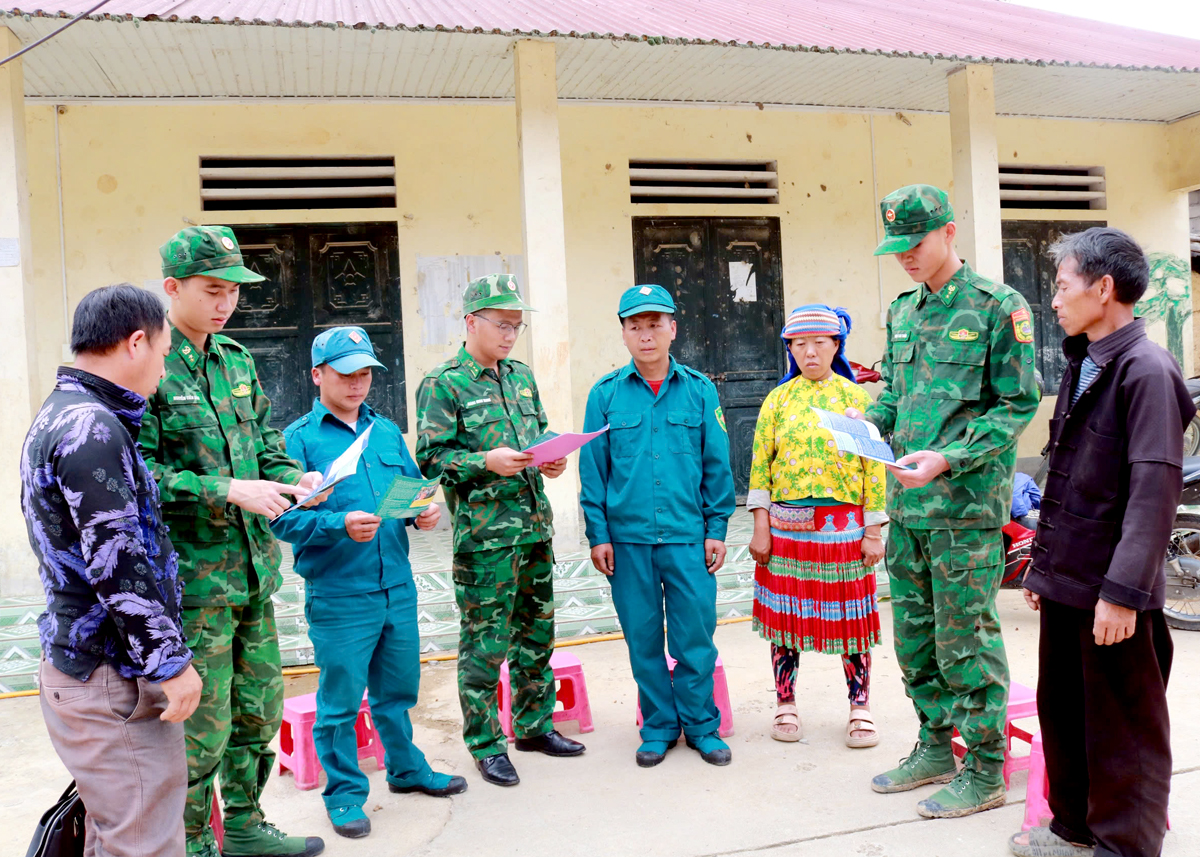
[60, 833]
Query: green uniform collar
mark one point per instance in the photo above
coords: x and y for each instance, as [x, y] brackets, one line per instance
[321, 412]
[474, 370]
[949, 292]
[186, 350]
[631, 369]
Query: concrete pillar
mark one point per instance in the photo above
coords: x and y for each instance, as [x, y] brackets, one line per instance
[544, 238]
[17, 569]
[976, 194]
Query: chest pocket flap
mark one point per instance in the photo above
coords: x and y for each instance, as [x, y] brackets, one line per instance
[684, 430]
[481, 415]
[625, 433]
[958, 370]
[193, 415]
[902, 352]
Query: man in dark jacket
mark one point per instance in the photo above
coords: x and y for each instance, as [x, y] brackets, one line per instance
[116, 675]
[1116, 449]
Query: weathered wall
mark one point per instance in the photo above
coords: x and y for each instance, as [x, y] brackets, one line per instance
[130, 179]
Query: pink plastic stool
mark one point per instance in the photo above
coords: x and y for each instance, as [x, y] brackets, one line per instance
[1037, 808]
[1022, 703]
[1037, 792]
[571, 692]
[720, 696]
[298, 753]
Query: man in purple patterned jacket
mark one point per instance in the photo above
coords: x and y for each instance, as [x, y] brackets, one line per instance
[116, 676]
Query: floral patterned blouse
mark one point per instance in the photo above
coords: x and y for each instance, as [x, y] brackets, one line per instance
[795, 459]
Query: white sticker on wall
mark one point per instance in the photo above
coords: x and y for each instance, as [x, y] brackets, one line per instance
[742, 282]
[10, 252]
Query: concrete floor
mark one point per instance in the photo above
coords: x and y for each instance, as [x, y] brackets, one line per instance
[809, 799]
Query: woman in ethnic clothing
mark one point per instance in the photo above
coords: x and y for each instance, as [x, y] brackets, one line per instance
[817, 518]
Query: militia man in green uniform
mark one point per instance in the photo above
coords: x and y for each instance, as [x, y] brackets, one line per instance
[959, 388]
[223, 472]
[475, 412]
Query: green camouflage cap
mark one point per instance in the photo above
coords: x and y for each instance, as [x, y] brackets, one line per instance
[911, 213]
[209, 250]
[495, 291]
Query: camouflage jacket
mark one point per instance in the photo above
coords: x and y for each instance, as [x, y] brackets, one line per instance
[209, 423]
[464, 410]
[958, 379]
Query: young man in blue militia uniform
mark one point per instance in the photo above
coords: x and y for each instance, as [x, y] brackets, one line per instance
[360, 598]
[657, 495]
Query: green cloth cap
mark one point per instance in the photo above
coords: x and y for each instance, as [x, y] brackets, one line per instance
[495, 291]
[345, 349]
[645, 298]
[911, 213]
[211, 251]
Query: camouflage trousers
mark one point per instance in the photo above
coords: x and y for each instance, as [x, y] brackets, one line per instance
[236, 652]
[947, 635]
[506, 599]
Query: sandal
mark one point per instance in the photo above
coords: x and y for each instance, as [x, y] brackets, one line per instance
[865, 723]
[787, 715]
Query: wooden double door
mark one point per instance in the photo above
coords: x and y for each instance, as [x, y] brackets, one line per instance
[726, 276]
[318, 277]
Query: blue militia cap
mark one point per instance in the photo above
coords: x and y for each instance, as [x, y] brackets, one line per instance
[647, 298]
[345, 349]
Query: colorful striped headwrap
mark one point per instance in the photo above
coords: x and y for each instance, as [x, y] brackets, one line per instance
[818, 320]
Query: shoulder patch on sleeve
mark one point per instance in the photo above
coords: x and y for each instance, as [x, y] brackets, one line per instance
[721, 419]
[1022, 325]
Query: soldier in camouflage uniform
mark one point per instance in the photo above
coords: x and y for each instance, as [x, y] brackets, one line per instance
[474, 413]
[959, 390]
[222, 472]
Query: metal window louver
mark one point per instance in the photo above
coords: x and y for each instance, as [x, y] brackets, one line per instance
[239, 183]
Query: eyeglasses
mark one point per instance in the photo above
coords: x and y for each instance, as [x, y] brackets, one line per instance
[504, 326]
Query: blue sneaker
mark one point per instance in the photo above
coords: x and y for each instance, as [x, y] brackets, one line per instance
[350, 821]
[711, 749]
[652, 752]
[430, 783]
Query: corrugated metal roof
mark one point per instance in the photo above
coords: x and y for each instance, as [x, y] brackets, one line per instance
[961, 30]
[128, 57]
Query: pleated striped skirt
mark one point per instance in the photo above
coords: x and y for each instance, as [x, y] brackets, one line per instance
[815, 595]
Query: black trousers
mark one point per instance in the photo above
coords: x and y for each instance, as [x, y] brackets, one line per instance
[1105, 729]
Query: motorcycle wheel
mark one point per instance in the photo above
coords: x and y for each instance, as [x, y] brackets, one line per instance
[1191, 437]
[1182, 609]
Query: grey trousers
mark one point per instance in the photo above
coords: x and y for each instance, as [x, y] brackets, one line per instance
[128, 765]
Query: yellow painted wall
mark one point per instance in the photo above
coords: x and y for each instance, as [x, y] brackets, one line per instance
[1184, 150]
[130, 180]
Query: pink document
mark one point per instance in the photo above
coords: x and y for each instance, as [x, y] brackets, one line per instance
[560, 446]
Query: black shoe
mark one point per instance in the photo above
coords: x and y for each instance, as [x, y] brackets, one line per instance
[350, 821]
[650, 758]
[453, 786]
[711, 749]
[498, 770]
[552, 744]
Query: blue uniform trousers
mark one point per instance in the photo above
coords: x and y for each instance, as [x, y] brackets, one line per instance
[644, 579]
[367, 640]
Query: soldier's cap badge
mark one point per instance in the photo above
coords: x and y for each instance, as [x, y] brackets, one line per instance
[1022, 326]
[242, 390]
[227, 243]
[963, 335]
[890, 215]
[354, 337]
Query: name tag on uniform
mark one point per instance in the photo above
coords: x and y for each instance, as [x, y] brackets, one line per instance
[963, 335]
[241, 391]
[184, 398]
[901, 335]
[485, 401]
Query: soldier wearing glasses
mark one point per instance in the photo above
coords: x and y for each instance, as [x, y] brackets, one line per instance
[475, 412]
